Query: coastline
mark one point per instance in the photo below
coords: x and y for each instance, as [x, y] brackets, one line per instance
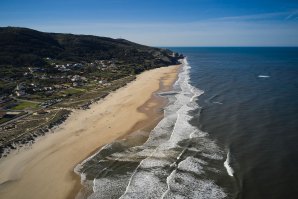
[46, 171]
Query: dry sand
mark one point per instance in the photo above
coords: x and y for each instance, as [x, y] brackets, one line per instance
[46, 170]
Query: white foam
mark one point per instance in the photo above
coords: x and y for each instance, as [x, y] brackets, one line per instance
[228, 166]
[192, 164]
[164, 150]
[185, 185]
[112, 187]
[162, 155]
[263, 76]
[213, 156]
[145, 180]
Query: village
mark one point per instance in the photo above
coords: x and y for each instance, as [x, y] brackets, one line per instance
[44, 97]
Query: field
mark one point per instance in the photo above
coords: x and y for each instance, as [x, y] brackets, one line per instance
[34, 120]
[25, 105]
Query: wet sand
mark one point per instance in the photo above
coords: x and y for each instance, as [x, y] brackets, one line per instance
[46, 170]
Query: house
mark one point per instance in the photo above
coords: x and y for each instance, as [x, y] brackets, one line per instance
[76, 78]
[20, 90]
[48, 88]
[20, 93]
[102, 81]
[77, 65]
[40, 112]
[12, 114]
[76, 84]
[4, 99]
[44, 76]
[32, 70]
[20, 86]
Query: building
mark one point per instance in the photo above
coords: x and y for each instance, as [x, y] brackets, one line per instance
[20, 90]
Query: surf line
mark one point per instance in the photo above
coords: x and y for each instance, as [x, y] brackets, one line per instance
[263, 76]
[228, 166]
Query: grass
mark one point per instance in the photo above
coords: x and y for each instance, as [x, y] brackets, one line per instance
[72, 91]
[2, 120]
[25, 105]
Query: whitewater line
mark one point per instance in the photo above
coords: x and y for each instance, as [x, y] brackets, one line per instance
[186, 90]
[136, 170]
[153, 152]
[195, 95]
[228, 166]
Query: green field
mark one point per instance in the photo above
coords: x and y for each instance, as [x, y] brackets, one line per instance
[72, 91]
[25, 105]
[2, 120]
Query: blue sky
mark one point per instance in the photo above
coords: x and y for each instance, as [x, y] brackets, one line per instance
[163, 22]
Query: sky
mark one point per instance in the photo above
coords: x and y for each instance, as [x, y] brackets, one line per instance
[163, 22]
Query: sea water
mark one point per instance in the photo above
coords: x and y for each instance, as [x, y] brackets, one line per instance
[229, 131]
[250, 109]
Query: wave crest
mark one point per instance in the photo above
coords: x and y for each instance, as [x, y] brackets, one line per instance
[176, 161]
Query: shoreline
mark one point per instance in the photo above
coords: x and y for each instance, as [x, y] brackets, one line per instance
[155, 113]
[25, 174]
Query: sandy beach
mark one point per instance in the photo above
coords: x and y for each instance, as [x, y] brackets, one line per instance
[46, 169]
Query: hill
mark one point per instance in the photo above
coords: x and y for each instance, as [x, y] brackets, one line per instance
[23, 47]
[45, 75]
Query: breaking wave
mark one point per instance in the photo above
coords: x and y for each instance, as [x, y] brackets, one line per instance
[177, 161]
[263, 76]
[228, 166]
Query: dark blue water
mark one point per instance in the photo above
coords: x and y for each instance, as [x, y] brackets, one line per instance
[250, 108]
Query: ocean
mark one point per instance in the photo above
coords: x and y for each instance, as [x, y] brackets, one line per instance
[230, 130]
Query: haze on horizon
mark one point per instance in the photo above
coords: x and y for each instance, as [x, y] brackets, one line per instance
[163, 23]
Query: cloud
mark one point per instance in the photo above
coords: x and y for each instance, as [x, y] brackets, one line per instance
[287, 15]
[255, 16]
[293, 15]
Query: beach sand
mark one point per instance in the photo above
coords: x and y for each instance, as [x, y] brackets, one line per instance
[46, 170]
